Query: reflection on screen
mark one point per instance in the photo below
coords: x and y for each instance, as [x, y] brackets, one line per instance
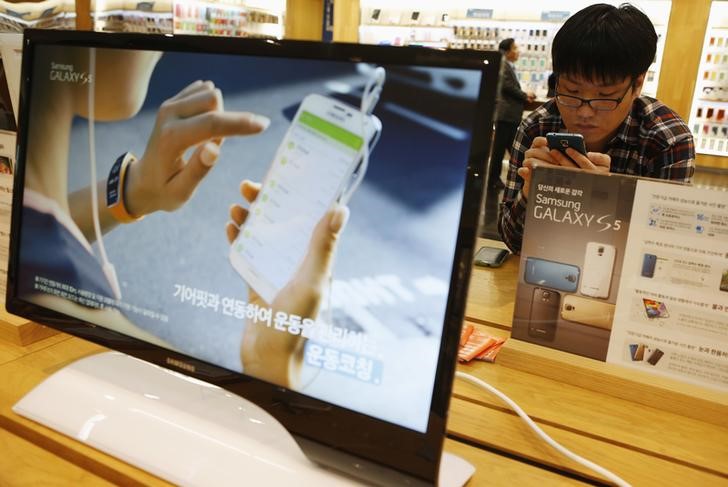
[371, 341]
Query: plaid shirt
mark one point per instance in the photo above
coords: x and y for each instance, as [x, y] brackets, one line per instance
[653, 141]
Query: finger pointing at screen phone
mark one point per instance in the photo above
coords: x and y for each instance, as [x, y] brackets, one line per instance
[162, 179]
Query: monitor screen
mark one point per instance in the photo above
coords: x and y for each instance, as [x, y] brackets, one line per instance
[233, 210]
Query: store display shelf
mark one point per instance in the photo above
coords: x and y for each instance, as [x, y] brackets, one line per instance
[709, 152]
[409, 26]
[720, 103]
[433, 44]
[711, 161]
[709, 111]
[264, 30]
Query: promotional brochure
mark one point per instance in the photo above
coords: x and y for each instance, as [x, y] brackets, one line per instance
[627, 270]
[673, 303]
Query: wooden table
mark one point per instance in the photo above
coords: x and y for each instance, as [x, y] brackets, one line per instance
[648, 430]
[35, 455]
[646, 445]
[492, 292]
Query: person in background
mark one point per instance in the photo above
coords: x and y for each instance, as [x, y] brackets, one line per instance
[600, 57]
[509, 111]
[551, 83]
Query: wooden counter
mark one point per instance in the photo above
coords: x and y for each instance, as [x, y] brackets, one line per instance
[37, 453]
[645, 428]
[644, 444]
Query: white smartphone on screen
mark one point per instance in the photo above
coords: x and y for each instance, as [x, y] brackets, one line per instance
[597, 270]
[312, 167]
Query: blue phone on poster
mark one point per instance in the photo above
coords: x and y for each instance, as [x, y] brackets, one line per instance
[555, 275]
[648, 265]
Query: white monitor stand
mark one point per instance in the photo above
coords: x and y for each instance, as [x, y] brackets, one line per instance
[181, 429]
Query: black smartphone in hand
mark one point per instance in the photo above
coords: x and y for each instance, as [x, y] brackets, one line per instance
[561, 142]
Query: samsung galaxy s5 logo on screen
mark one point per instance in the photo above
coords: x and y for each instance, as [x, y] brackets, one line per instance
[180, 364]
[66, 73]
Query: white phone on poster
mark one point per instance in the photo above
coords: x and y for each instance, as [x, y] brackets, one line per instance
[597, 270]
[311, 169]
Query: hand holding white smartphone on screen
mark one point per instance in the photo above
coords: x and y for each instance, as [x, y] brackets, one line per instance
[311, 169]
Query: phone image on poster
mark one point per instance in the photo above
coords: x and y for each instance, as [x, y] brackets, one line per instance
[556, 275]
[588, 311]
[311, 168]
[598, 265]
[632, 350]
[649, 262]
[655, 356]
[544, 314]
[655, 309]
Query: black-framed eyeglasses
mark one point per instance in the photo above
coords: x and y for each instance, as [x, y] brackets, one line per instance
[600, 104]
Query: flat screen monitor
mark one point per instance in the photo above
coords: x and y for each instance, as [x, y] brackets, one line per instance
[232, 210]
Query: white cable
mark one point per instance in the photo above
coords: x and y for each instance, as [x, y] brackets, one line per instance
[107, 266]
[558, 447]
[92, 154]
[369, 99]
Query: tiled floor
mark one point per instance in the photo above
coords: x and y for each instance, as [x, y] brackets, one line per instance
[704, 178]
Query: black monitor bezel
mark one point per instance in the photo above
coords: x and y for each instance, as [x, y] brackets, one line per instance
[365, 446]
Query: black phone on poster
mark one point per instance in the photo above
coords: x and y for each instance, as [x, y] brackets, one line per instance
[544, 314]
[648, 265]
[655, 356]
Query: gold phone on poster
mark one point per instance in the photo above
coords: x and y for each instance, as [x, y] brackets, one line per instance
[587, 311]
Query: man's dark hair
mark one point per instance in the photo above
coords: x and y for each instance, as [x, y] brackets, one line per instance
[506, 44]
[603, 43]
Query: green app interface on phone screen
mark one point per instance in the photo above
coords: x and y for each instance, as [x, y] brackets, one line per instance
[306, 176]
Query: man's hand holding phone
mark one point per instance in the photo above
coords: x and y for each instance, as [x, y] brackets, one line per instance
[543, 153]
[568, 150]
[537, 155]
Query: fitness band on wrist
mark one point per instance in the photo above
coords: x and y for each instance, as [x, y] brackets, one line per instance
[115, 187]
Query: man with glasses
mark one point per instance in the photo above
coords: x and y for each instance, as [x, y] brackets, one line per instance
[600, 57]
